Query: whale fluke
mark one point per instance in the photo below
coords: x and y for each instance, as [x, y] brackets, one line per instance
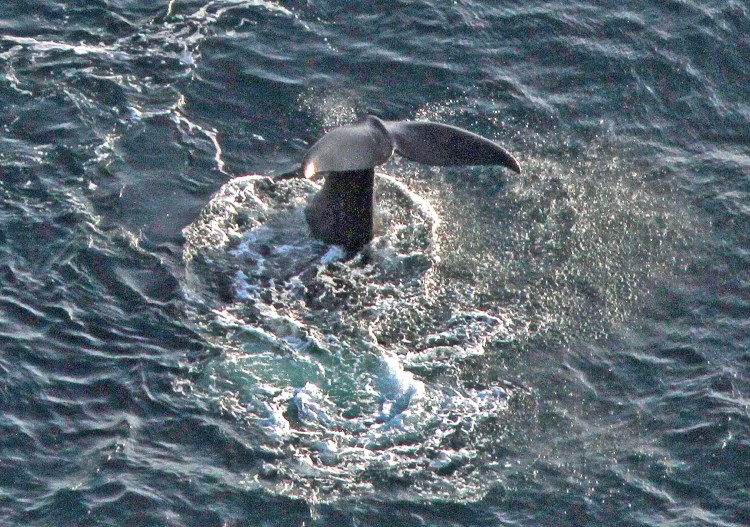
[444, 145]
[342, 212]
[359, 146]
[371, 142]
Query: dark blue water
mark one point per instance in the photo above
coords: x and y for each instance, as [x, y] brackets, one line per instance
[568, 346]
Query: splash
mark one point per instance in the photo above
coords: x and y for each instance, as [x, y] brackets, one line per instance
[349, 369]
[330, 107]
[389, 372]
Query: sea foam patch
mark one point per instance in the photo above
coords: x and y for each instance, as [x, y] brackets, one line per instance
[395, 370]
[350, 367]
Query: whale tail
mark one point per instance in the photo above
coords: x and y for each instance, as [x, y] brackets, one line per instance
[371, 142]
[342, 212]
[443, 145]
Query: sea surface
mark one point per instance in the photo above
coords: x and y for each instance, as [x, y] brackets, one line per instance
[568, 346]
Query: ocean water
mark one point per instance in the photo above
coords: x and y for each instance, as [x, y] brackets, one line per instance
[569, 346]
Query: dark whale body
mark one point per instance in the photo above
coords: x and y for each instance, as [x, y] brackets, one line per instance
[342, 212]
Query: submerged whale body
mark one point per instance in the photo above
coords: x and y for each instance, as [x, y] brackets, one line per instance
[342, 212]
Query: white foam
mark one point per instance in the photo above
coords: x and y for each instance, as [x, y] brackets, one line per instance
[275, 424]
[335, 253]
[343, 337]
[310, 403]
[51, 45]
[243, 289]
[398, 389]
